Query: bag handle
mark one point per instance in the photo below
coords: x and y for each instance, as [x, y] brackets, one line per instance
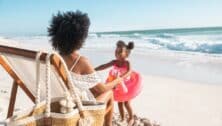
[73, 89]
[48, 88]
[47, 84]
[38, 86]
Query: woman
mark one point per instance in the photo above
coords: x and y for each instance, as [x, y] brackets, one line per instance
[68, 32]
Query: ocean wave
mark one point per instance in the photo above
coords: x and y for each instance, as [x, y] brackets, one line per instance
[136, 34]
[179, 44]
[108, 35]
[92, 35]
[166, 35]
[189, 40]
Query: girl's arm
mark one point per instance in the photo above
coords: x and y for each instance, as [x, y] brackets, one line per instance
[128, 72]
[104, 66]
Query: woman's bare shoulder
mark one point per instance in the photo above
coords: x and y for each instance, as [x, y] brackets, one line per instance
[86, 65]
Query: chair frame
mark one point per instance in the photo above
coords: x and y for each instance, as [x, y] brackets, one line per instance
[18, 82]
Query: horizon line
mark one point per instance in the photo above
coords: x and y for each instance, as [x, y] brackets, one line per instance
[156, 29]
[123, 31]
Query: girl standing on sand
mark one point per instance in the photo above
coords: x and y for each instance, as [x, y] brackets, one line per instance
[130, 86]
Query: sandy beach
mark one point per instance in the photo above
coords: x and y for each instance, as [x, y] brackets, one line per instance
[166, 98]
[174, 102]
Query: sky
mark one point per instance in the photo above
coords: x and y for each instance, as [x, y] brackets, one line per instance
[33, 16]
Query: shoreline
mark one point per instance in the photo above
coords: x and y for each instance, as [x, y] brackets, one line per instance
[193, 68]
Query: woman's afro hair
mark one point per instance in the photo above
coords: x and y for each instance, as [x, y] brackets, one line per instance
[68, 31]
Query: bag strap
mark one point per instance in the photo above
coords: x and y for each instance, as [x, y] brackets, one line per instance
[47, 84]
[48, 88]
[73, 89]
[37, 60]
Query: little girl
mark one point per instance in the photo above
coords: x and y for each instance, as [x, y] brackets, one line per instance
[131, 85]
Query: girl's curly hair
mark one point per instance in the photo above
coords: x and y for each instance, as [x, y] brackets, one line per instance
[128, 46]
[68, 31]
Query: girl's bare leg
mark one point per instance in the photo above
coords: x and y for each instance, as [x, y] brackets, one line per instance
[108, 99]
[130, 112]
[121, 110]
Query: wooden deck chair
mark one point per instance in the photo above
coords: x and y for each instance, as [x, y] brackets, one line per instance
[13, 60]
[20, 65]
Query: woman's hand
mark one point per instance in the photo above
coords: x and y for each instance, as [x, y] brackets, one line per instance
[117, 81]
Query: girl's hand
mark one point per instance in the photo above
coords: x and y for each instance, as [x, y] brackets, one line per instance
[118, 80]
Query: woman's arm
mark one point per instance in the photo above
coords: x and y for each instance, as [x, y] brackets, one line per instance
[104, 66]
[99, 88]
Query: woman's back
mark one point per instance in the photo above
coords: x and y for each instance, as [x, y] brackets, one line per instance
[84, 78]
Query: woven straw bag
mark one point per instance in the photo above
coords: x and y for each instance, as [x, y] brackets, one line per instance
[48, 112]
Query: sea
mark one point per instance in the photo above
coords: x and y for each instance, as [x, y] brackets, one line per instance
[200, 40]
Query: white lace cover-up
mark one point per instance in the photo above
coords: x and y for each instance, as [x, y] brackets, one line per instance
[84, 83]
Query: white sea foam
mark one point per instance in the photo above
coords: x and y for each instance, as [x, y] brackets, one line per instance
[211, 44]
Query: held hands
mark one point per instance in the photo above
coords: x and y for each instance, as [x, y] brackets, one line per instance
[119, 79]
[120, 85]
